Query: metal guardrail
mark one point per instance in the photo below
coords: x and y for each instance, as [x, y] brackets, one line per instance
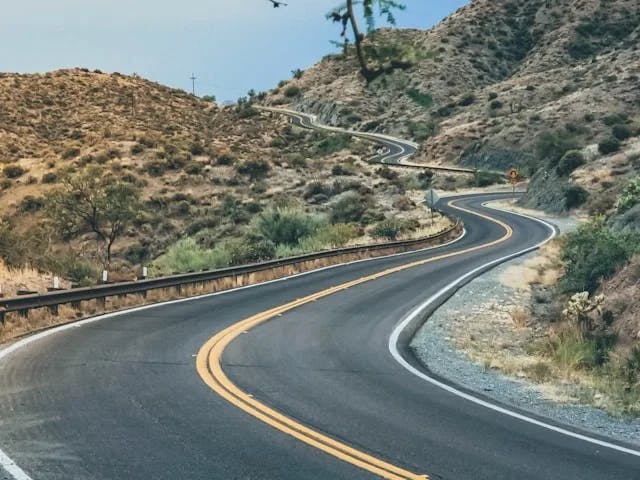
[52, 300]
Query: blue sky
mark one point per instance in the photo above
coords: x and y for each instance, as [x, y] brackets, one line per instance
[231, 45]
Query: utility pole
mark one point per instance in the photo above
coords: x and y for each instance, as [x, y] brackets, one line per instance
[193, 83]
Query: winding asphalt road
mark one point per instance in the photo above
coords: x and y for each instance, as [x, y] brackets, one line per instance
[121, 398]
[396, 151]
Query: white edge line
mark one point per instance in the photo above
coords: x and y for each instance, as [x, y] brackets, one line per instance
[12, 467]
[417, 311]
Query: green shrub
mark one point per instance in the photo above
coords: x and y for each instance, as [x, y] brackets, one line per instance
[609, 146]
[467, 100]
[423, 99]
[13, 171]
[225, 159]
[388, 229]
[254, 169]
[621, 132]
[593, 253]
[569, 162]
[333, 236]
[156, 168]
[332, 143]
[31, 204]
[575, 196]
[287, 226]
[76, 269]
[251, 249]
[349, 208]
[493, 96]
[496, 105]
[187, 256]
[50, 177]
[196, 149]
[420, 131]
[137, 149]
[552, 145]
[340, 170]
[71, 152]
[292, 91]
[630, 196]
[193, 168]
[615, 119]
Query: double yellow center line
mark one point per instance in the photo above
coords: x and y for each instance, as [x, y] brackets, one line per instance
[209, 366]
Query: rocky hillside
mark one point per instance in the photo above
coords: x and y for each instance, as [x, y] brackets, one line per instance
[201, 172]
[484, 86]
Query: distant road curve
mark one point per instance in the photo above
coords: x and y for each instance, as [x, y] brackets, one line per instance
[398, 151]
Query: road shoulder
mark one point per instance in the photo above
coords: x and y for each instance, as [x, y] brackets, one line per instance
[482, 313]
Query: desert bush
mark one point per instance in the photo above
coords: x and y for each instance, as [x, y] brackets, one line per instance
[196, 149]
[630, 195]
[225, 159]
[79, 271]
[332, 236]
[13, 171]
[496, 105]
[31, 204]
[569, 162]
[420, 98]
[467, 100]
[593, 253]
[156, 168]
[485, 179]
[552, 145]
[286, 225]
[292, 91]
[251, 249]
[493, 95]
[332, 143]
[71, 152]
[609, 145]
[349, 208]
[50, 177]
[575, 196]
[187, 256]
[137, 149]
[426, 178]
[389, 229]
[341, 170]
[316, 190]
[386, 173]
[193, 168]
[621, 132]
[254, 169]
[420, 131]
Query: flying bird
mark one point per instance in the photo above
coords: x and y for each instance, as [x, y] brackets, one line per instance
[276, 3]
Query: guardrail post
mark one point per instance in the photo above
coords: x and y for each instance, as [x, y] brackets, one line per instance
[25, 311]
[53, 309]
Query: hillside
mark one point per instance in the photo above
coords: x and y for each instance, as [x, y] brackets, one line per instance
[204, 174]
[486, 83]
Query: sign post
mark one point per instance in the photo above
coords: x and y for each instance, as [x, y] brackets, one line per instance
[431, 199]
[513, 176]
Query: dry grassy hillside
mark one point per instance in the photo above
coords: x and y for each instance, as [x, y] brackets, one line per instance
[488, 80]
[203, 173]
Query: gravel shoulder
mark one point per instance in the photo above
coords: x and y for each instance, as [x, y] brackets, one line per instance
[482, 313]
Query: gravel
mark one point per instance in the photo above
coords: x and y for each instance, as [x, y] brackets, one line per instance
[432, 346]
